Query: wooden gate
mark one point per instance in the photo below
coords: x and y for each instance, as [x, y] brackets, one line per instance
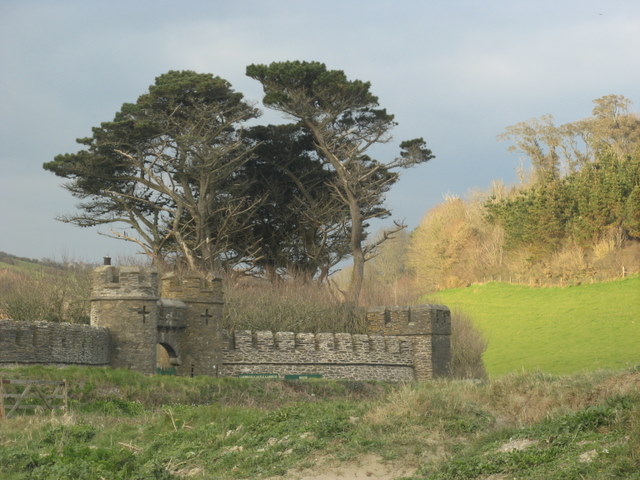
[34, 395]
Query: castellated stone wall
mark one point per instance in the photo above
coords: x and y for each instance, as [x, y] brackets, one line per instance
[53, 343]
[197, 345]
[139, 321]
[331, 355]
[426, 327]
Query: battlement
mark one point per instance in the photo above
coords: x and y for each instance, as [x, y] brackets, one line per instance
[330, 355]
[192, 288]
[53, 343]
[124, 282]
[176, 319]
[416, 320]
[246, 341]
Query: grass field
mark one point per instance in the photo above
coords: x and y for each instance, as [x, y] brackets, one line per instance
[553, 329]
[126, 426]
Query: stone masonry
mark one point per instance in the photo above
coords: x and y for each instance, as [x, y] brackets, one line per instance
[180, 314]
[53, 343]
[135, 316]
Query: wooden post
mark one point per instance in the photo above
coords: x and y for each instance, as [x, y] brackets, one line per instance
[66, 396]
[1, 399]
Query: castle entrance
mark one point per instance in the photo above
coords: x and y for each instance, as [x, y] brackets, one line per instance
[166, 359]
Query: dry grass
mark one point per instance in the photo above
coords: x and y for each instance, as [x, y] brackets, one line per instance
[254, 304]
[49, 295]
[468, 344]
[511, 401]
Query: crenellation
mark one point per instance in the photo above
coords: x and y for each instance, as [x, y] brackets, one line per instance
[264, 341]
[325, 342]
[377, 343]
[52, 343]
[305, 342]
[243, 340]
[344, 342]
[139, 320]
[192, 288]
[285, 341]
[121, 282]
[361, 343]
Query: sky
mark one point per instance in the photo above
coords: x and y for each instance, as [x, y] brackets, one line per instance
[451, 71]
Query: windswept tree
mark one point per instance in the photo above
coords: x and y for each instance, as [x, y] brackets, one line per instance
[167, 170]
[301, 229]
[345, 121]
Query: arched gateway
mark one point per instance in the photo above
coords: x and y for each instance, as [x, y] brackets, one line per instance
[174, 323]
[141, 311]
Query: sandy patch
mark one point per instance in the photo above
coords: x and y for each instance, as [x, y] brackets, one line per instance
[367, 467]
[517, 445]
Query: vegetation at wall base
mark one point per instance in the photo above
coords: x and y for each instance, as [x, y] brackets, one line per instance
[123, 425]
[553, 329]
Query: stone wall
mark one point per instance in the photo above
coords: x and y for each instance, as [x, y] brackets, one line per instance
[53, 343]
[198, 344]
[426, 327]
[135, 314]
[331, 355]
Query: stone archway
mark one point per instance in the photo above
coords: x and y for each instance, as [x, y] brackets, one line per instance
[166, 359]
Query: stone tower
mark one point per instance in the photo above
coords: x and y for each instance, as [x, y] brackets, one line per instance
[177, 317]
[427, 327]
[125, 301]
[198, 343]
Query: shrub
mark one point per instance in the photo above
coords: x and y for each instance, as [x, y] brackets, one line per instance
[255, 304]
[467, 346]
[53, 296]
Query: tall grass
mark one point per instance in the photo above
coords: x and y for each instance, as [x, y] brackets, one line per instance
[254, 304]
[123, 425]
[53, 295]
[468, 345]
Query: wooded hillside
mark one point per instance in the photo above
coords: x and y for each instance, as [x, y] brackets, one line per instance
[574, 217]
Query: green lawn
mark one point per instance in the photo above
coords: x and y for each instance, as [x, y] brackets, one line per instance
[553, 329]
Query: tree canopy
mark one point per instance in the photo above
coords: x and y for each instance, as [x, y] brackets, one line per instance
[180, 173]
[300, 228]
[166, 168]
[555, 151]
[345, 121]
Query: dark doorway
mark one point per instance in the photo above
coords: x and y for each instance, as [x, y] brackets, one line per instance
[166, 359]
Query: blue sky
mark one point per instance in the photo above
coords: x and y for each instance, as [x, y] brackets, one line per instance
[454, 72]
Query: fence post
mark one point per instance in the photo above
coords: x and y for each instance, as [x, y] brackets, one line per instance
[65, 392]
[1, 400]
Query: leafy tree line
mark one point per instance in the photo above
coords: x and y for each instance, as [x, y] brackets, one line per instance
[585, 179]
[183, 174]
[576, 216]
[584, 206]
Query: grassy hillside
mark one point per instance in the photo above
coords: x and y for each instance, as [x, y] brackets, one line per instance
[123, 425]
[27, 265]
[554, 329]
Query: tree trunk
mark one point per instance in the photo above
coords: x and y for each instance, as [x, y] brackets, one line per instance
[357, 273]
